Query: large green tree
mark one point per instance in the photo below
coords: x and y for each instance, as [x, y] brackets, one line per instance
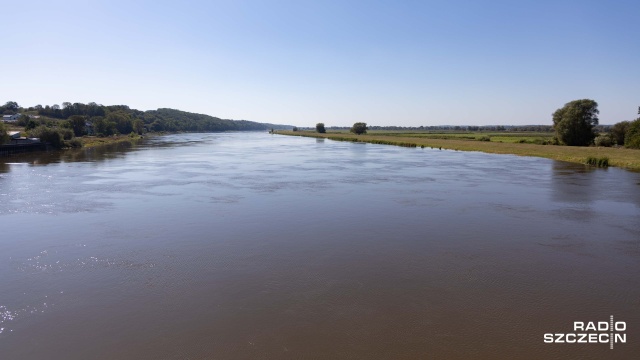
[123, 121]
[78, 123]
[10, 107]
[619, 130]
[359, 128]
[574, 122]
[102, 127]
[632, 138]
[320, 128]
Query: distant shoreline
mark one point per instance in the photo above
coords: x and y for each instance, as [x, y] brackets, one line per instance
[618, 157]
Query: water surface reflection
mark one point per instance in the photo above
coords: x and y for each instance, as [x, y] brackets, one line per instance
[237, 246]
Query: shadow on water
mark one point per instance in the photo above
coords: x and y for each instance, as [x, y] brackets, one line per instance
[91, 154]
[583, 185]
[572, 183]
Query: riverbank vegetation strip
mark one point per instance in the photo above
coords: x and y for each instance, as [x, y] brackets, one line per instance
[619, 157]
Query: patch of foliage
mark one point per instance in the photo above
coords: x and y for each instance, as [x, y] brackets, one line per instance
[618, 132]
[599, 162]
[574, 122]
[52, 136]
[359, 128]
[603, 140]
[632, 137]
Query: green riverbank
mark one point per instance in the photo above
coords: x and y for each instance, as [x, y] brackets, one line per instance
[619, 157]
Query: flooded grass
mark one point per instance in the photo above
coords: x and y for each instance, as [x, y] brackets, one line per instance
[618, 157]
[598, 162]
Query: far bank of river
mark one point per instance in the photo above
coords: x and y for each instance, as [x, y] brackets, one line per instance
[619, 157]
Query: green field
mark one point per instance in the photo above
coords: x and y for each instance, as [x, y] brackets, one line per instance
[502, 136]
[522, 144]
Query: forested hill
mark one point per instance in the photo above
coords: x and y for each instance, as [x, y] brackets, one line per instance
[176, 120]
[120, 118]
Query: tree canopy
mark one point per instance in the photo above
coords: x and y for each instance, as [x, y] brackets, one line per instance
[320, 128]
[9, 108]
[108, 120]
[632, 137]
[618, 131]
[359, 128]
[574, 122]
[77, 123]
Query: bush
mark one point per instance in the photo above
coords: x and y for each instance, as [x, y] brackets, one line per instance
[320, 128]
[485, 138]
[359, 128]
[67, 134]
[618, 132]
[48, 135]
[23, 120]
[73, 143]
[603, 140]
[632, 137]
[295, 128]
[31, 124]
[599, 162]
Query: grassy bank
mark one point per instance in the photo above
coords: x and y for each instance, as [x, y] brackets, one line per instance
[91, 141]
[503, 136]
[620, 157]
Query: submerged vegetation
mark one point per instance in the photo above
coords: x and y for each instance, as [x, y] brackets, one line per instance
[599, 162]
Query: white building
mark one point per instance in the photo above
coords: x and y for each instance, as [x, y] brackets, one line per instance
[10, 118]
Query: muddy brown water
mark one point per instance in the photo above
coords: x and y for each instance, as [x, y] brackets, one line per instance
[257, 246]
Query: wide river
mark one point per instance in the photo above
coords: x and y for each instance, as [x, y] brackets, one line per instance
[258, 246]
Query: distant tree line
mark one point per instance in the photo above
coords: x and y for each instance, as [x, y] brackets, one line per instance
[576, 123]
[60, 125]
[176, 120]
[9, 108]
[68, 109]
[120, 119]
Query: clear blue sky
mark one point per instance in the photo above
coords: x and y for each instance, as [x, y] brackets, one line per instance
[405, 63]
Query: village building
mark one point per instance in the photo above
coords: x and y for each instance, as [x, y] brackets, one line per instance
[10, 118]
